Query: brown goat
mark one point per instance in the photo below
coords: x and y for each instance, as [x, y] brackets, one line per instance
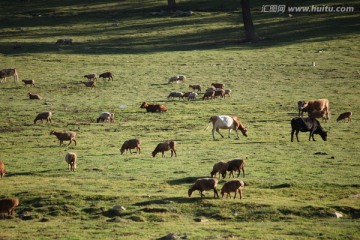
[90, 84]
[218, 85]
[236, 165]
[343, 116]
[65, 136]
[131, 144]
[90, 77]
[7, 205]
[108, 75]
[165, 146]
[2, 169]
[29, 82]
[195, 87]
[203, 184]
[221, 168]
[34, 96]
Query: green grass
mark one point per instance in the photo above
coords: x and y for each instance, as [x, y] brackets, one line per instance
[290, 192]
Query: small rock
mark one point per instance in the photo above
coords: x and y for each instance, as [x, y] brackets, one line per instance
[118, 208]
[338, 215]
[171, 236]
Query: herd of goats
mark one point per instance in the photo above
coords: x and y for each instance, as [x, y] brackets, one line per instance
[319, 108]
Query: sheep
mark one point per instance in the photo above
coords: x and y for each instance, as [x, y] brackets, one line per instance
[177, 78]
[34, 96]
[219, 93]
[2, 169]
[227, 92]
[165, 146]
[221, 168]
[7, 205]
[209, 94]
[154, 107]
[43, 116]
[29, 82]
[192, 96]
[65, 136]
[90, 84]
[232, 186]
[186, 95]
[64, 41]
[108, 75]
[90, 77]
[203, 184]
[106, 117]
[70, 159]
[195, 87]
[176, 94]
[236, 165]
[343, 116]
[131, 144]
[218, 85]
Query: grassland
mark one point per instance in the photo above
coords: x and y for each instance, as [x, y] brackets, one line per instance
[290, 193]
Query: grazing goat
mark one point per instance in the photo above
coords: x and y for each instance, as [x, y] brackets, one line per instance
[195, 87]
[300, 105]
[218, 85]
[34, 96]
[343, 116]
[317, 105]
[219, 93]
[165, 146]
[203, 184]
[106, 117]
[8, 72]
[43, 116]
[154, 107]
[90, 84]
[131, 144]
[227, 122]
[8, 205]
[232, 186]
[307, 125]
[108, 75]
[221, 168]
[176, 94]
[177, 78]
[236, 165]
[64, 41]
[65, 136]
[90, 77]
[209, 94]
[2, 169]
[29, 82]
[71, 159]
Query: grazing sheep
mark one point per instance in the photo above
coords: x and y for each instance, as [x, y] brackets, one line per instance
[29, 82]
[165, 146]
[154, 107]
[106, 117]
[90, 77]
[218, 85]
[236, 165]
[177, 78]
[65, 136]
[64, 41]
[34, 96]
[232, 186]
[186, 95]
[221, 168]
[2, 169]
[7, 205]
[219, 93]
[227, 92]
[176, 94]
[192, 96]
[195, 87]
[131, 144]
[90, 84]
[203, 184]
[343, 116]
[108, 75]
[209, 94]
[71, 158]
[43, 116]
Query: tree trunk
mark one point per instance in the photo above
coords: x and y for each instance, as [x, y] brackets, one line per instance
[250, 35]
[172, 4]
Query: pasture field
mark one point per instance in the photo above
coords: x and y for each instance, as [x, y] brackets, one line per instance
[290, 192]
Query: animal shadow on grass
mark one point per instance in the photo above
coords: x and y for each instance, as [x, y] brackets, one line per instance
[165, 201]
[186, 180]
